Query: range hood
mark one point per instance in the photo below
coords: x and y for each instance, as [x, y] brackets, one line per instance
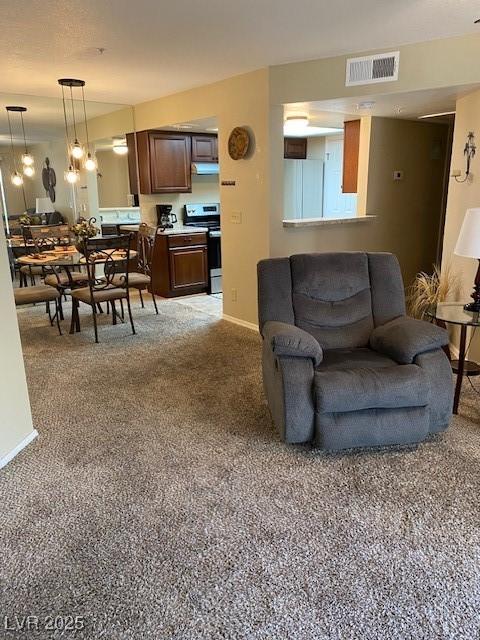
[205, 168]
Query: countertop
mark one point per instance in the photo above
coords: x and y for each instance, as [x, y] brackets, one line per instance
[177, 230]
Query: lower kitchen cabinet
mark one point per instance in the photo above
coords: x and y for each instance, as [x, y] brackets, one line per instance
[180, 265]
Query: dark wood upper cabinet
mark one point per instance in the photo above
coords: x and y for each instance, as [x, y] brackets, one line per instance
[351, 145]
[164, 162]
[295, 148]
[204, 148]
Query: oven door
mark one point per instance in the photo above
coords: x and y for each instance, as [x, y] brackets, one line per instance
[214, 262]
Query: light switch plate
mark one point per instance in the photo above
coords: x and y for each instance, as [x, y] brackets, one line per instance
[236, 217]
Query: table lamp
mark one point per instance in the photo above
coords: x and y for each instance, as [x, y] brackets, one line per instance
[468, 246]
[44, 205]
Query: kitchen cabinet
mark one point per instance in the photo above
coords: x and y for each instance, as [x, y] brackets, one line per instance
[164, 162]
[204, 148]
[351, 145]
[303, 189]
[295, 148]
[179, 264]
[132, 166]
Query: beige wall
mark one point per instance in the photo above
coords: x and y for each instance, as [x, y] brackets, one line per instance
[113, 185]
[239, 101]
[15, 415]
[13, 195]
[462, 197]
[439, 63]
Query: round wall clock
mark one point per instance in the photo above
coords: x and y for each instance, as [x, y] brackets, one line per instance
[238, 143]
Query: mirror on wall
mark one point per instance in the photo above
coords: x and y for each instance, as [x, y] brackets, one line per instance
[41, 188]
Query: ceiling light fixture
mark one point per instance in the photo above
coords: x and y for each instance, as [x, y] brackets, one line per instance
[75, 151]
[15, 176]
[120, 146]
[367, 104]
[437, 115]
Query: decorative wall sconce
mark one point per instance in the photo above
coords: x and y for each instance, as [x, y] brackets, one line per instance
[469, 153]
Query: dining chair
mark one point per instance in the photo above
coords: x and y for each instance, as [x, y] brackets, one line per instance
[39, 294]
[141, 279]
[104, 254]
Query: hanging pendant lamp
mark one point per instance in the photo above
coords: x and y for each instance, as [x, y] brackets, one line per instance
[75, 150]
[27, 158]
[15, 177]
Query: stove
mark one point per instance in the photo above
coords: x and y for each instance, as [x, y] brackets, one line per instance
[208, 215]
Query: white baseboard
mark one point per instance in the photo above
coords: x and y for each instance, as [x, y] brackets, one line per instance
[242, 323]
[6, 459]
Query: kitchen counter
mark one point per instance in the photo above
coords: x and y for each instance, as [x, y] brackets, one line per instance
[177, 230]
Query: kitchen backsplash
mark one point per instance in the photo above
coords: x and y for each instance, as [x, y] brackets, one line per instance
[205, 189]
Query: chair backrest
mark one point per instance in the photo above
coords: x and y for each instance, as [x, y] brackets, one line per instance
[45, 236]
[110, 255]
[145, 243]
[336, 297]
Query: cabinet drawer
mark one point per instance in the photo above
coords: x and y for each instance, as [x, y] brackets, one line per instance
[187, 239]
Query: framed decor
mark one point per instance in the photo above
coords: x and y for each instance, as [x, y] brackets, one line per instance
[238, 143]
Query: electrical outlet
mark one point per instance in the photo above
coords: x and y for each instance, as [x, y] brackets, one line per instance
[234, 295]
[236, 217]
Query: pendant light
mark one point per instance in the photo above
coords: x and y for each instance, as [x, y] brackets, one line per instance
[15, 177]
[90, 161]
[27, 158]
[75, 150]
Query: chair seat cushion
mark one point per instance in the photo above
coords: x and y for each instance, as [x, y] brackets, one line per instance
[62, 279]
[135, 279]
[102, 295]
[31, 295]
[367, 380]
[34, 270]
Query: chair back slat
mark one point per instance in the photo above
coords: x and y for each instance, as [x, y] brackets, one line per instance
[46, 236]
[146, 243]
[112, 254]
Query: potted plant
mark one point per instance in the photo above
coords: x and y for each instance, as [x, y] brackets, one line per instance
[427, 290]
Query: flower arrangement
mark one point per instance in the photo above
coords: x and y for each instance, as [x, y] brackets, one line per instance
[25, 220]
[85, 228]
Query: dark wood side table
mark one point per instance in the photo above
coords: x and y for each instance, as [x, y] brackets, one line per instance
[454, 313]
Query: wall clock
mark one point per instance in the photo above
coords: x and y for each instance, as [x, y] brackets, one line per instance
[49, 179]
[238, 143]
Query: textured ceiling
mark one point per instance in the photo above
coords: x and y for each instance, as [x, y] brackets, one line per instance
[153, 48]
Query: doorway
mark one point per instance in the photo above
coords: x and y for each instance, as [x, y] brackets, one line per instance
[336, 204]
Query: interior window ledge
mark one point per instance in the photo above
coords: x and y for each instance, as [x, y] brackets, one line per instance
[321, 222]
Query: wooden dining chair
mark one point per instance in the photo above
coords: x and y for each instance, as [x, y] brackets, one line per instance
[38, 294]
[104, 255]
[141, 278]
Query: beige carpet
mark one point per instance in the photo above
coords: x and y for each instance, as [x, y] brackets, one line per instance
[158, 502]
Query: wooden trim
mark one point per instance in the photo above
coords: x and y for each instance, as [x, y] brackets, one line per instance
[351, 146]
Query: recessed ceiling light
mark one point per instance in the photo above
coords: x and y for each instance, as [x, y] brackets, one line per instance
[436, 115]
[367, 104]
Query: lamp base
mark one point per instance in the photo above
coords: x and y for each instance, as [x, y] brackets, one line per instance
[474, 307]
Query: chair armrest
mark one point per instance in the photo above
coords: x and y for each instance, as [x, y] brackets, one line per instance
[404, 338]
[291, 341]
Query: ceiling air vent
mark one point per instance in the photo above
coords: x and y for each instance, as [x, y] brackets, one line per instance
[382, 67]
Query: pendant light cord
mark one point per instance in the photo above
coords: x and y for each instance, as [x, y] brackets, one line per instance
[85, 118]
[11, 142]
[73, 114]
[23, 130]
[66, 124]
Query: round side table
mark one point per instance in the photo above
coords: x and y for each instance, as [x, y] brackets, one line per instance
[454, 313]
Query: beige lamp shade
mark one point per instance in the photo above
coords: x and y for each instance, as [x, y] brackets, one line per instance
[468, 243]
[44, 205]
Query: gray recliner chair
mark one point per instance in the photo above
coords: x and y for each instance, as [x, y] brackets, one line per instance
[343, 366]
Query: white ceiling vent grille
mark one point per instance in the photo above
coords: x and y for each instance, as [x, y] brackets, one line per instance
[382, 67]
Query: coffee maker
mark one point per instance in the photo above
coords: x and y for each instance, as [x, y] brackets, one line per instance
[165, 217]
